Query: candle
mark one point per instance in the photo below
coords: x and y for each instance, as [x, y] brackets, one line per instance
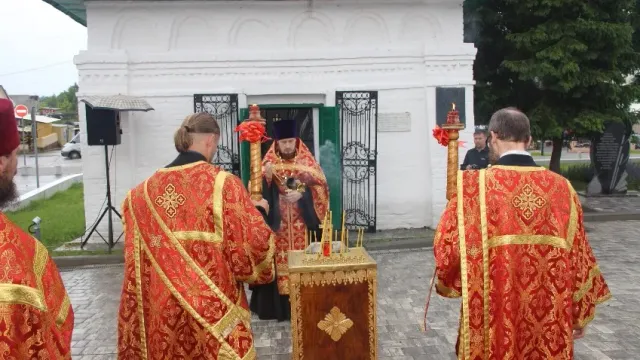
[453, 115]
[326, 249]
[306, 240]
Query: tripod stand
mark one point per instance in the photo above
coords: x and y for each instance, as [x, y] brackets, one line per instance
[107, 211]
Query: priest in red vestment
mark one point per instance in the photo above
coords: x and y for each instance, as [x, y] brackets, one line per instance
[193, 237]
[298, 195]
[512, 245]
[36, 318]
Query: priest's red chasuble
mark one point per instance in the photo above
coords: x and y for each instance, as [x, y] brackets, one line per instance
[291, 235]
[512, 244]
[192, 237]
[36, 318]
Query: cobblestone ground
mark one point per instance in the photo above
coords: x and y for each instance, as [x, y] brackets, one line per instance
[630, 204]
[403, 278]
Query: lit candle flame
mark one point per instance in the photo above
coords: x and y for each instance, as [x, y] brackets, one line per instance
[453, 106]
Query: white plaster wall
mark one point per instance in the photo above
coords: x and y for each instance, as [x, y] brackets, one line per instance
[169, 50]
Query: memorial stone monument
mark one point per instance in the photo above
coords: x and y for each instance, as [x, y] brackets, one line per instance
[609, 157]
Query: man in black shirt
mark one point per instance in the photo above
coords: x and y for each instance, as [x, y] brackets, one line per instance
[478, 157]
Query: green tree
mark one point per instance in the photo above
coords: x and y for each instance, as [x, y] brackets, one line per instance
[564, 62]
[66, 101]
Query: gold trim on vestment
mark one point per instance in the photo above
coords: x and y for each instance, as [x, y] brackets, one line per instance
[445, 291]
[573, 216]
[232, 308]
[518, 168]
[505, 240]
[250, 355]
[218, 203]
[268, 261]
[14, 294]
[64, 311]
[485, 258]
[588, 319]
[198, 236]
[137, 258]
[182, 167]
[464, 275]
[180, 249]
[225, 347]
[587, 285]
[40, 259]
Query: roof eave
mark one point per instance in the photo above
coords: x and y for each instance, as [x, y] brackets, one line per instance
[64, 10]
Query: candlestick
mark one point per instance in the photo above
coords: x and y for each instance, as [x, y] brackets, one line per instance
[453, 127]
[253, 130]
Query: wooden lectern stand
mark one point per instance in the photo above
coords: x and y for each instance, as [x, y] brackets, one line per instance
[333, 303]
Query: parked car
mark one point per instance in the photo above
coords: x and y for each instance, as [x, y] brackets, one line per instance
[72, 149]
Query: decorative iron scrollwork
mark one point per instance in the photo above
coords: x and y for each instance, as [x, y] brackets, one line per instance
[224, 107]
[359, 121]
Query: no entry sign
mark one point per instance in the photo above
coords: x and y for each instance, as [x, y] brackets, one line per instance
[21, 111]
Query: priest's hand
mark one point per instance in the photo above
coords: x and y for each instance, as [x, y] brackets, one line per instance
[261, 203]
[268, 171]
[292, 196]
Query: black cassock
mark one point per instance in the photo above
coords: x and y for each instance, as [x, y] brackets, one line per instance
[265, 301]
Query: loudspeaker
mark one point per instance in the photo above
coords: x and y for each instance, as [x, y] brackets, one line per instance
[103, 127]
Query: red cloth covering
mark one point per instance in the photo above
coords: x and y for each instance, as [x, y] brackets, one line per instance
[9, 136]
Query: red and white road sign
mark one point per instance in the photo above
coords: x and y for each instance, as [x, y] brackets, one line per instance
[21, 111]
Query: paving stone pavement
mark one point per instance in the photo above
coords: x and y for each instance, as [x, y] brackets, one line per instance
[403, 277]
[628, 204]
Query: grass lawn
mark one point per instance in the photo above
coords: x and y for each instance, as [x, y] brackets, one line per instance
[62, 216]
[538, 153]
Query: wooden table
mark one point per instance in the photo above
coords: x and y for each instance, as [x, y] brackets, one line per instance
[333, 305]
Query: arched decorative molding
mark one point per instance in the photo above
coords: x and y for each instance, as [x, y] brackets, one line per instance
[427, 25]
[179, 25]
[304, 18]
[381, 26]
[243, 23]
[120, 31]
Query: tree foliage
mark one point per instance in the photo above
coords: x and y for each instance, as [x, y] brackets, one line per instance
[563, 62]
[66, 101]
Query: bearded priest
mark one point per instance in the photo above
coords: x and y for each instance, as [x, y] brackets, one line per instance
[512, 244]
[298, 195]
[36, 318]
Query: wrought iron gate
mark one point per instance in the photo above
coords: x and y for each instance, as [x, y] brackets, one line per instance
[224, 107]
[358, 111]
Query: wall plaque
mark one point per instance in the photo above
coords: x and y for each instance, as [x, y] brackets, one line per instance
[394, 122]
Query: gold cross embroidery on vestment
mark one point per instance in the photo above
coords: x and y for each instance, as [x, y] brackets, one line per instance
[170, 200]
[527, 202]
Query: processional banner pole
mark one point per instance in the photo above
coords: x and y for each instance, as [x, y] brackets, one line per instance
[448, 136]
[253, 130]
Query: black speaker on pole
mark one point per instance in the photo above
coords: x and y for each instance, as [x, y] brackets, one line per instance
[103, 127]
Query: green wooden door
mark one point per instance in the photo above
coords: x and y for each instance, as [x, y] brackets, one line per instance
[330, 159]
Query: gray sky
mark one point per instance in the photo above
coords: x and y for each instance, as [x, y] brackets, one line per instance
[37, 47]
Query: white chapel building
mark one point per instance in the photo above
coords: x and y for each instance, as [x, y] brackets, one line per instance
[367, 82]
